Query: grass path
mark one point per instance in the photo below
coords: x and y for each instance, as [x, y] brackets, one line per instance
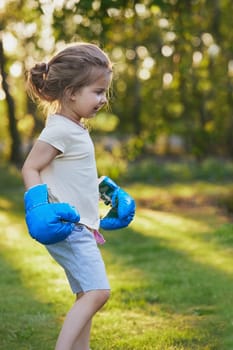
[171, 274]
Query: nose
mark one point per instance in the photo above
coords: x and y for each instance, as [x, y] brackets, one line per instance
[104, 99]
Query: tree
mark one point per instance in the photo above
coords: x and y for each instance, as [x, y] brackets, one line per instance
[172, 59]
[16, 18]
[15, 154]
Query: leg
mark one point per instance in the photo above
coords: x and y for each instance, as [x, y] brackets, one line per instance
[83, 341]
[78, 318]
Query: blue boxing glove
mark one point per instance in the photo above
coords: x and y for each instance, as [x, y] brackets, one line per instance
[123, 206]
[48, 223]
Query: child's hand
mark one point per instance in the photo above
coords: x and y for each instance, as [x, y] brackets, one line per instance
[123, 207]
[48, 223]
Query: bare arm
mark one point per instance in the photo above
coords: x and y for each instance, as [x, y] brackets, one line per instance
[41, 155]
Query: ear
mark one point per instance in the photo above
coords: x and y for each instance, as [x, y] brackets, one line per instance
[72, 97]
[70, 94]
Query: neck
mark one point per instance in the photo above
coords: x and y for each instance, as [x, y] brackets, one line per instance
[76, 121]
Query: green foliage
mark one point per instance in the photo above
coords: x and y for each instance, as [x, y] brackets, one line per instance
[172, 63]
[9, 178]
[110, 162]
[104, 123]
[227, 202]
[157, 170]
[133, 148]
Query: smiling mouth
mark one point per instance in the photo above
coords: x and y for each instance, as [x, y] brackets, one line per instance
[96, 109]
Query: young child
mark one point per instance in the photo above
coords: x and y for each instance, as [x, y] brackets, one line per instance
[60, 176]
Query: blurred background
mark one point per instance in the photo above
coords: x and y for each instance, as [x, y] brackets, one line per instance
[172, 94]
[167, 137]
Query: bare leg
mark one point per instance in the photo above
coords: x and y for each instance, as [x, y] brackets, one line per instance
[83, 341]
[78, 318]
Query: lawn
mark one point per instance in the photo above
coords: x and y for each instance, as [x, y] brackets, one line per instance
[171, 273]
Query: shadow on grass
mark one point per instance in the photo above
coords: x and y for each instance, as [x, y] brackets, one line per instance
[153, 277]
[25, 322]
[11, 191]
[167, 280]
[23, 325]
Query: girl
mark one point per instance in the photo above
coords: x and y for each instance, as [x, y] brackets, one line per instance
[60, 176]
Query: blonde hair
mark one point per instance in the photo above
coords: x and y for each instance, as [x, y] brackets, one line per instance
[71, 69]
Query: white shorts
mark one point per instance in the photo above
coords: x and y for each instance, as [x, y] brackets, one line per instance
[81, 259]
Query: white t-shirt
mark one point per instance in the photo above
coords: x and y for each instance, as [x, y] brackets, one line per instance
[72, 176]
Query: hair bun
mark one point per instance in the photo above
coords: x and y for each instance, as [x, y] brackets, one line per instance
[39, 73]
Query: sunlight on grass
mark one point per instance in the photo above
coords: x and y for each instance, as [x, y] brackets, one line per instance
[30, 258]
[154, 220]
[4, 219]
[146, 332]
[185, 235]
[170, 272]
[140, 190]
[5, 204]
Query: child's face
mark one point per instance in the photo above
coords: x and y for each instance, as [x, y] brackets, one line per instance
[86, 102]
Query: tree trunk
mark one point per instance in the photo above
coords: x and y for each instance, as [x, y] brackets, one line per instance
[136, 110]
[15, 151]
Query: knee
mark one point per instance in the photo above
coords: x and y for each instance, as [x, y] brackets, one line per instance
[102, 296]
[106, 295]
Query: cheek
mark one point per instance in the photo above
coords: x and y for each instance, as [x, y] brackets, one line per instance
[93, 97]
[97, 98]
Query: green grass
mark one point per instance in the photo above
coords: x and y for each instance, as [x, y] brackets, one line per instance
[171, 274]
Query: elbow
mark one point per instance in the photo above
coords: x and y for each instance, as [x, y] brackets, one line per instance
[30, 175]
[23, 171]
